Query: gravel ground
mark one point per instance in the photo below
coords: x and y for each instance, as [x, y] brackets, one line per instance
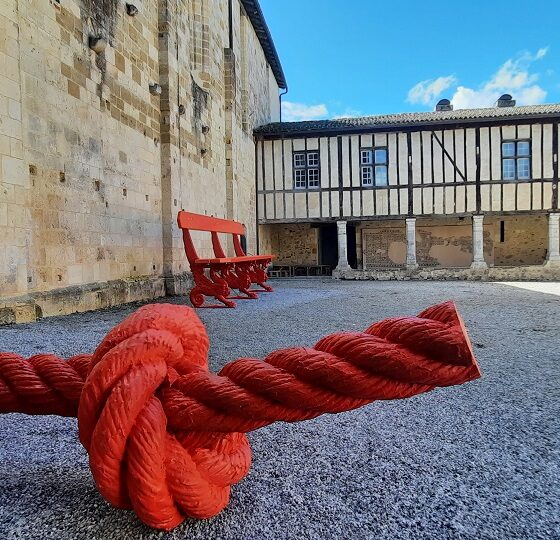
[480, 461]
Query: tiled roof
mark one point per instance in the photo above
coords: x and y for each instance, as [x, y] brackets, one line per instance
[364, 123]
[256, 17]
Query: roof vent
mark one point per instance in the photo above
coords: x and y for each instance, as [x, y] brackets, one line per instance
[444, 105]
[505, 101]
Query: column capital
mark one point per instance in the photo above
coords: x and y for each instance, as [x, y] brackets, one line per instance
[410, 220]
[478, 218]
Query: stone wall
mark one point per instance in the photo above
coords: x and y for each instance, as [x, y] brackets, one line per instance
[383, 246]
[444, 243]
[525, 240]
[94, 164]
[502, 273]
[293, 244]
[448, 245]
[440, 243]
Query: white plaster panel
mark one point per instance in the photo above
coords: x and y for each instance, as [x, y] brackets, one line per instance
[438, 200]
[416, 170]
[392, 156]
[355, 160]
[356, 203]
[300, 207]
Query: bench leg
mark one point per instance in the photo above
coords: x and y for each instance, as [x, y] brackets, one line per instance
[238, 278]
[260, 276]
[215, 287]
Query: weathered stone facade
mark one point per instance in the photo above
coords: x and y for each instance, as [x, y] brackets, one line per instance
[439, 243]
[503, 273]
[294, 244]
[524, 242]
[447, 243]
[109, 125]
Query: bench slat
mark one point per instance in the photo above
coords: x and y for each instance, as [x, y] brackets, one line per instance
[198, 222]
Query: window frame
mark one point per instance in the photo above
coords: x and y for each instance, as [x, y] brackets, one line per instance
[306, 167]
[372, 165]
[515, 158]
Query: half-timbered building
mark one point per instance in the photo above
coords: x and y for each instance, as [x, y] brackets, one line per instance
[414, 193]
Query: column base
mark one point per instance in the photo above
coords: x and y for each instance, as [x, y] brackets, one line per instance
[479, 265]
[554, 263]
[412, 267]
[342, 268]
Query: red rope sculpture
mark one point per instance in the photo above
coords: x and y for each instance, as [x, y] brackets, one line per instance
[167, 438]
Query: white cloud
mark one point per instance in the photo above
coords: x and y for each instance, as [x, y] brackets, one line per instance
[427, 91]
[513, 77]
[296, 112]
[541, 52]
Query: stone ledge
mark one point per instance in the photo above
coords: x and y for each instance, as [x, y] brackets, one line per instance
[79, 298]
[178, 284]
[496, 273]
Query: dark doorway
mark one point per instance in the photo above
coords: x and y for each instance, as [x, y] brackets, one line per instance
[351, 246]
[328, 245]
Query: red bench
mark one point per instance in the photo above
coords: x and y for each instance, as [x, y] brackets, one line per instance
[217, 276]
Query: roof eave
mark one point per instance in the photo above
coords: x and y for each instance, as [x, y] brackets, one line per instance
[401, 126]
[255, 14]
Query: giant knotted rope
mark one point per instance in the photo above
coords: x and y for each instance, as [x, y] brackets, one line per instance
[167, 438]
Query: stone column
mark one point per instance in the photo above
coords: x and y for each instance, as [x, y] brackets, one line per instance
[478, 242]
[553, 256]
[342, 247]
[411, 263]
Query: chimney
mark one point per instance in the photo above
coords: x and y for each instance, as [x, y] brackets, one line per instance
[444, 105]
[505, 101]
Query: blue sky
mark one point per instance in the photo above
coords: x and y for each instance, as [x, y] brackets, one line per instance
[360, 57]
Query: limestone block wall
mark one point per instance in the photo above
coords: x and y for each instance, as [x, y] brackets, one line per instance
[212, 165]
[94, 164]
[14, 191]
[89, 204]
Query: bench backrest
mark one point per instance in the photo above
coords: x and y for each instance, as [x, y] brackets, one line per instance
[188, 221]
[198, 222]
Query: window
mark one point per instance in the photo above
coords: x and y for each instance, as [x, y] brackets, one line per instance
[373, 163]
[516, 160]
[306, 170]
